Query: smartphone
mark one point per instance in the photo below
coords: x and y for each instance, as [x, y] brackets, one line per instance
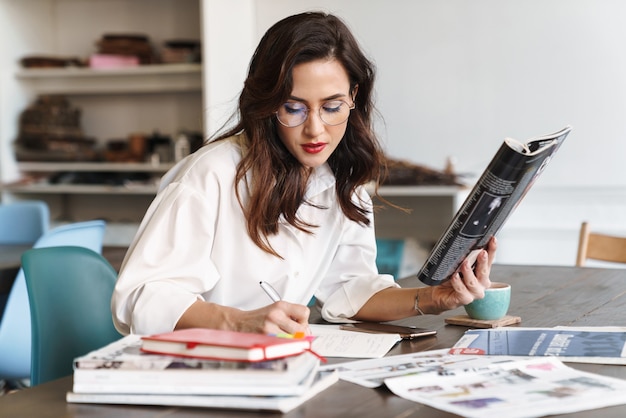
[406, 332]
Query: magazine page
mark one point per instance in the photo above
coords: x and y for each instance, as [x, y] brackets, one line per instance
[508, 177]
[520, 389]
[581, 345]
[189, 382]
[126, 354]
[322, 381]
[372, 373]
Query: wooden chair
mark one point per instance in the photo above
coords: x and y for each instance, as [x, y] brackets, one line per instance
[598, 246]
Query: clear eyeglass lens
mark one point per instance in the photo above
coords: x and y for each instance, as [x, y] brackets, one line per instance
[292, 114]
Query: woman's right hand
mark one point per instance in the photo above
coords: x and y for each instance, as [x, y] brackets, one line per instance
[278, 318]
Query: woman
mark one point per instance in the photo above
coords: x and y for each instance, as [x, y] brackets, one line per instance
[279, 198]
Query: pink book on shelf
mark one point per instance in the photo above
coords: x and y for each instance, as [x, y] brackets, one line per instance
[112, 61]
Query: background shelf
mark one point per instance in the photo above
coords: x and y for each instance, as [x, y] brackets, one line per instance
[143, 79]
[93, 166]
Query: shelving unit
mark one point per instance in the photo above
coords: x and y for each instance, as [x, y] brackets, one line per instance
[38, 185]
[122, 205]
[114, 103]
[102, 86]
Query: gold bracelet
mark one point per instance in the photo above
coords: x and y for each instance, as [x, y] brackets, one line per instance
[416, 305]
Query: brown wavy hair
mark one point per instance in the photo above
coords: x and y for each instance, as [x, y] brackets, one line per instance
[278, 179]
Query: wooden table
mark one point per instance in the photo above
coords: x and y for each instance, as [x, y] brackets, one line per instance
[542, 297]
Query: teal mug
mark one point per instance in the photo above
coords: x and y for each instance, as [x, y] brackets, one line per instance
[494, 305]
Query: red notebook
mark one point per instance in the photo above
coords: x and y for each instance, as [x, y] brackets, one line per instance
[223, 345]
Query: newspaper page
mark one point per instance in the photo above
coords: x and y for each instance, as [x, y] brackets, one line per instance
[498, 191]
[571, 344]
[519, 389]
[372, 373]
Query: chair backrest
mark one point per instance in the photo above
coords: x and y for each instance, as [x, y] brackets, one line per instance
[70, 291]
[599, 246]
[23, 222]
[15, 328]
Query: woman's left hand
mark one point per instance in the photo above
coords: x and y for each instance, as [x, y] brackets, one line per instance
[467, 286]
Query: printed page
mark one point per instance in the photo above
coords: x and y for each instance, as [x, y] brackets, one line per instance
[582, 345]
[499, 190]
[519, 389]
[372, 373]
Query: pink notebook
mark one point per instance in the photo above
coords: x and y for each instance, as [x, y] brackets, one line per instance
[224, 345]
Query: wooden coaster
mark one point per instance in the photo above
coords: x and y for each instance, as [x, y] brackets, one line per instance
[480, 323]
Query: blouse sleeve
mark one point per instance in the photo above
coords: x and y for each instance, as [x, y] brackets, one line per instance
[168, 265]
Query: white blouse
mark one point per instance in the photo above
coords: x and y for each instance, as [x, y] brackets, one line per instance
[193, 244]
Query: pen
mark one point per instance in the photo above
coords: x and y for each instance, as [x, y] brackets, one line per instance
[270, 291]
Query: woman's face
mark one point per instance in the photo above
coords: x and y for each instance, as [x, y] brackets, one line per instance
[316, 84]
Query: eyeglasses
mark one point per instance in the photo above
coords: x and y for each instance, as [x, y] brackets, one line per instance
[333, 112]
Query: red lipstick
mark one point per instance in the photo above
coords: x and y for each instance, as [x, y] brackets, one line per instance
[314, 148]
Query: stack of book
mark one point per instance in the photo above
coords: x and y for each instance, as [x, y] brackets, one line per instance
[201, 368]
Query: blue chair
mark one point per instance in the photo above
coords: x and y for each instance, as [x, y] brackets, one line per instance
[389, 256]
[23, 222]
[70, 291]
[15, 328]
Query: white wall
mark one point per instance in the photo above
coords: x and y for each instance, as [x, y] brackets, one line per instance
[456, 77]
[228, 43]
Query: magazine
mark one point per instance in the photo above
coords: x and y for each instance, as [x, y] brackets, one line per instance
[530, 387]
[486, 386]
[219, 344]
[186, 382]
[322, 381]
[372, 373]
[605, 345]
[504, 183]
[121, 367]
